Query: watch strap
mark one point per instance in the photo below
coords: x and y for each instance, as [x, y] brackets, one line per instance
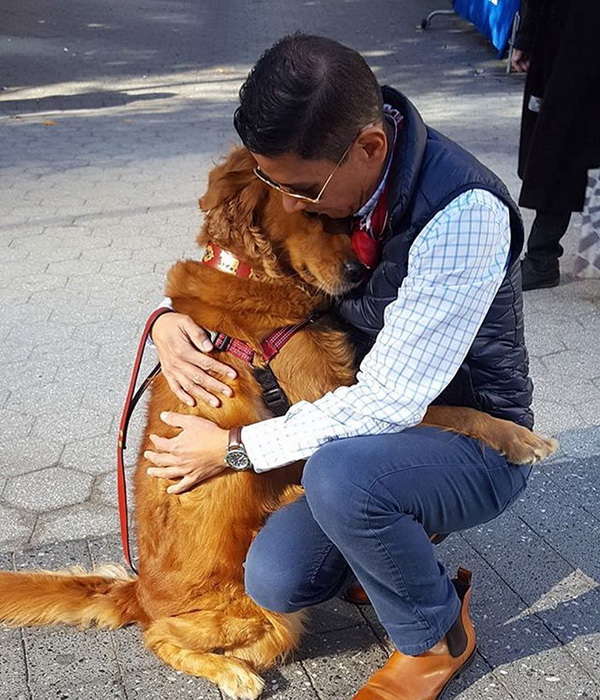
[235, 437]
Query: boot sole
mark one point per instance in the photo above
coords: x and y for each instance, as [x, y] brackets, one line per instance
[457, 674]
[540, 285]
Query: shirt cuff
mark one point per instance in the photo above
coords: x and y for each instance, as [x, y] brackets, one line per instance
[255, 436]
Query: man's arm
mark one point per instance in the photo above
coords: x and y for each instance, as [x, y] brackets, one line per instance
[456, 266]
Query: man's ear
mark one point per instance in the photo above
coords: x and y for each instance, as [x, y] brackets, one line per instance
[227, 179]
[373, 143]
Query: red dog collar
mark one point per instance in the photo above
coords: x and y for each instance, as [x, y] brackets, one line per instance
[224, 261]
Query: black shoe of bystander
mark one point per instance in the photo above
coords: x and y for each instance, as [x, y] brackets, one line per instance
[539, 275]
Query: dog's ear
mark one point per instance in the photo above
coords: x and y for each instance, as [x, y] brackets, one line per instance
[234, 204]
[229, 178]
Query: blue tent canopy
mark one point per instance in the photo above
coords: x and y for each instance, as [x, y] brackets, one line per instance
[492, 18]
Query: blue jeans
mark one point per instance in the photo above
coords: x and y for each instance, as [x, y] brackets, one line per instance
[370, 505]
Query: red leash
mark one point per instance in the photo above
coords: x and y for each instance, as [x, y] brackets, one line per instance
[130, 403]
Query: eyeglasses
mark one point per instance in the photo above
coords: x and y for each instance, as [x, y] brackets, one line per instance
[289, 191]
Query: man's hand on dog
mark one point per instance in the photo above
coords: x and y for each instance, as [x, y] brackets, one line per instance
[195, 454]
[181, 345]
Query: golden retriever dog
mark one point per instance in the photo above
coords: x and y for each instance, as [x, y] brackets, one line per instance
[189, 596]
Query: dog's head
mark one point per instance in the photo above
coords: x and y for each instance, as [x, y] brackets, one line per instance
[247, 217]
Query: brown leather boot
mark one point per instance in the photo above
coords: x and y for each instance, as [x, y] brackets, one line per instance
[426, 676]
[356, 594]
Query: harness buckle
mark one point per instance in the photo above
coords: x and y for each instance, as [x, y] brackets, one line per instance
[273, 395]
[222, 342]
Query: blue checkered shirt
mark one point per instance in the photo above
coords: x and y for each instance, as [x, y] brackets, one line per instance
[455, 267]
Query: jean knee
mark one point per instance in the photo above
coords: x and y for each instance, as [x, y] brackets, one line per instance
[271, 583]
[328, 484]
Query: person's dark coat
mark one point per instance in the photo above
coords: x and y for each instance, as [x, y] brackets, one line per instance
[560, 142]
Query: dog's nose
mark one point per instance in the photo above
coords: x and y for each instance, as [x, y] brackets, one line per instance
[354, 270]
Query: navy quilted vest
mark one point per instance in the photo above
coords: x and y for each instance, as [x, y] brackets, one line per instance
[428, 171]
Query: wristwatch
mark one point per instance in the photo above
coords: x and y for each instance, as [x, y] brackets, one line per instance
[237, 457]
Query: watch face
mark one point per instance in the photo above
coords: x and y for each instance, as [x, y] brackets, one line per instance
[237, 459]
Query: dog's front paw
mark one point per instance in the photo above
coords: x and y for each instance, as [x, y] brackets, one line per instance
[529, 448]
[241, 683]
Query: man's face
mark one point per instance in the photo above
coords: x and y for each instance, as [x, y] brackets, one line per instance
[351, 183]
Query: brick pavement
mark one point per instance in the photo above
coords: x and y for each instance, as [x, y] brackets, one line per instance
[110, 117]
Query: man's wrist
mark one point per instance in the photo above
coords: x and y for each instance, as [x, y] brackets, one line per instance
[158, 313]
[236, 456]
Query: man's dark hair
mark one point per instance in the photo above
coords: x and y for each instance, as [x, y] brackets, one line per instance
[307, 95]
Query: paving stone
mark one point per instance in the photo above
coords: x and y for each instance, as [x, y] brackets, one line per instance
[16, 270]
[552, 418]
[107, 254]
[47, 489]
[88, 242]
[333, 615]
[20, 456]
[15, 424]
[45, 282]
[587, 290]
[133, 654]
[69, 352]
[5, 329]
[106, 689]
[59, 659]
[56, 556]
[357, 653]
[108, 395]
[478, 682]
[288, 681]
[157, 684]
[580, 443]
[77, 314]
[529, 564]
[15, 527]
[589, 413]
[50, 397]
[8, 255]
[164, 254]
[107, 332]
[59, 254]
[74, 267]
[82, 520]
[25, 313]
[123, 268]
[72, 426]
[574, 363]
[18, 375]
[557, 516]
[13, 671]
[105, 488]
[104, 550]
[576, 392]
[94, 455]
[40, 332]
[578, 477]
[14, 296]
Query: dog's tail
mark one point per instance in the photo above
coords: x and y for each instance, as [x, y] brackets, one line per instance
[106, 597]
